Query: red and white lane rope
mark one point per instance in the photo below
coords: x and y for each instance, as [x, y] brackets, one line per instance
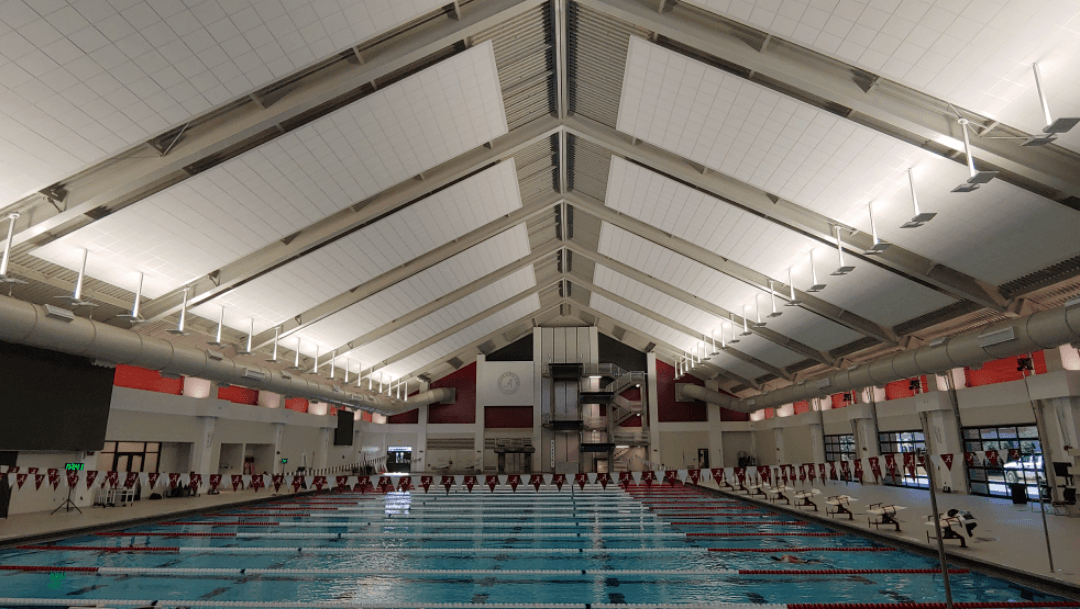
[234, 571]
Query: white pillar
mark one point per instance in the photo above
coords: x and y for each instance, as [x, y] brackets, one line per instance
[478, 434]
[542, 452]
[716, 434]
[651, 406]
[279, 433]
[203, 459]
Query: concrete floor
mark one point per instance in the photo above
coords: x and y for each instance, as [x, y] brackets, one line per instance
[1008, 535]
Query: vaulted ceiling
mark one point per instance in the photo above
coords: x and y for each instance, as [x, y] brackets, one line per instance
[397, 186]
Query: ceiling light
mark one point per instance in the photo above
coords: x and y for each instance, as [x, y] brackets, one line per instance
[842, 269]
[757, 308]
[793, 301]
[75, 300]
[348, 364]
[179, 329]
[4, 277]
[1053, 127]
[134, 317]
[816, 287]
[277, 334]
[296, 364]
[919, 218]
[247, 349]
[879, 246]
[221, 322]
[723, 336]
[315, 369]
[733, 337]
[772, 298]
[333, 363]
[745, 327]
[978, 178]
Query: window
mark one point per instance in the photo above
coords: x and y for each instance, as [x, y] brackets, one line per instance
[994, 481]
[903, 442]
[130, 456]
[840, 447]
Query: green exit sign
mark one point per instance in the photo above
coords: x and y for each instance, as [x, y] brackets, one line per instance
[74, 467]
[284, 461]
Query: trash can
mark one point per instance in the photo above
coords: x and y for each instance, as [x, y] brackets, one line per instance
[1019, 494]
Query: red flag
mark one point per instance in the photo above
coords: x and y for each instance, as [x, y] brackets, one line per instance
[447, 482]
[470, 482]
[802, 472]
[536, 480]
[513, 480]
[875, 467]
[132, 479]
[257, 482]
[215, 481]
[491, 482]
[73, 479]
[821, 470]
[740, 473]
[319, 482]
[648, 478]
[909, 463]
[845, 469]
[858, 469]
[992, 457]
[404, 483]
[671, 477]
[832, 470]
[38, 479]
[718, 476]
[969, 458]
[174, 479]
[604, 480]
[342, 482]
[1014, 454]
[196, 480]
[765, 473]
[91, 476]
[237, 481]
[297, 482]
[890, 463]
[153, 479]
[54, 478]
[363, 482]
[384, 482]
[21, 478]
[947, 459]
[695, 475]
[624, 479]
[425, 481]
[559, 480]
[581, 479]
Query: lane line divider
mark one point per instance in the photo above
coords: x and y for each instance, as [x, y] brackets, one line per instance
[157, 571]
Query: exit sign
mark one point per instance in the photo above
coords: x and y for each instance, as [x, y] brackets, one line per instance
[284, 461]
[74, 467]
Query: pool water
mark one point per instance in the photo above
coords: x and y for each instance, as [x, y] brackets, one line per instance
[656, 546]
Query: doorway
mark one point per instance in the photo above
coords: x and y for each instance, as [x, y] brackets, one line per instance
[703, 458]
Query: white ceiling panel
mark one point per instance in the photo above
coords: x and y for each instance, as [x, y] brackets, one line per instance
[891, 301]
[375, 249]
[737, 366]
[974, 53]
[446, 317]
[705, 324]
[416, 291]
[642, 325]
[823, 162]
[274, 190]
[80, 81]
[459, 340]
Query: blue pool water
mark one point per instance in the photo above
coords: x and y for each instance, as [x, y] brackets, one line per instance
[643, 547]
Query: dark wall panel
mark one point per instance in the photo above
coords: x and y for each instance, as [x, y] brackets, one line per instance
[463, 410]
[508, 417]
[670, 411]
[521, 350]
[612, 351]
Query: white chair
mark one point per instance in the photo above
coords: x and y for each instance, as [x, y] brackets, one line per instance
[840, 504]
[804, 498]
[776, 493]
[885, 514]
[947, 530]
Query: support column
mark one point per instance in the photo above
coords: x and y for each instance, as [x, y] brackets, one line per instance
[941, 427]
[322, 452]
[421, 434]
[203, 459]
[478, 434]
[817, 437]
[650, 406]
[541, 457]
[279, 433]
[716, 434]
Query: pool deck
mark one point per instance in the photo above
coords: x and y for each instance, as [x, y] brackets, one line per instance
[1007, 535]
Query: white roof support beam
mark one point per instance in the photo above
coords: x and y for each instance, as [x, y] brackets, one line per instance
[405, 271]
[588, 285]
[887, 107]
[134, 175]
[727, 267]
[789, 215]
[352, 218]
[537, 255]
[699, 303]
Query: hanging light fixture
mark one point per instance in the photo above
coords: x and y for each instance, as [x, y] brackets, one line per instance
[333, 363]
[734, 339]
[757, 312]
[315, 369]
[978, 178]
[772, 299]
[816, 287]
[246, 350]
[296, 364]
[793, 300]
[745, 326]
[220, 324]
[277, 334]
[1053, 127]
[842, 269]
[878, 246]
[75, 300]
[4, 277]
[134, 317]
[723, 336]
[919, 218]
[179, 329]
[348, 364]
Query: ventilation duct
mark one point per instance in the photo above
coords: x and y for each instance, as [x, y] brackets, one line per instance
[29, 324]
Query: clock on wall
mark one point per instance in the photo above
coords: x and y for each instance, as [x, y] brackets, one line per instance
[509, 383]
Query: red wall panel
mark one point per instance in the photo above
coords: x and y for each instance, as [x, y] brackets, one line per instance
[670, 411]
[634, 421]
[1001, 371]
[463, 410]
[238, 395]
[801, 407]
[405, 418]
[838, 400]
[508, 417]
[901, 389]
[297, 404]
[731, 415]
[365, 415]
[134, 377]
[770, 413]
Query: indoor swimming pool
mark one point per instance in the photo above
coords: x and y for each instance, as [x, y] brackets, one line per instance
[641, 546]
